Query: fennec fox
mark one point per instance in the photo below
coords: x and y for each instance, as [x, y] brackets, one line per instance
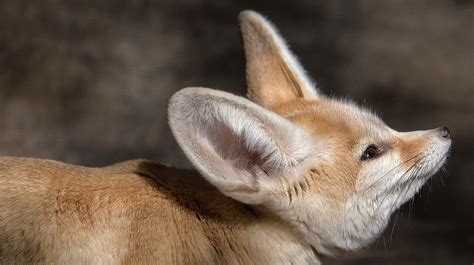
[281, 179]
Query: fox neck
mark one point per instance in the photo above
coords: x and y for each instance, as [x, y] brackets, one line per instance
[278, 242]
[238, 234]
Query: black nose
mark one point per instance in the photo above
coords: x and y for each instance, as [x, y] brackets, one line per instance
[445, 132]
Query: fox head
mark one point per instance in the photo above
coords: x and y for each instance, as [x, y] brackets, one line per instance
[328, 168]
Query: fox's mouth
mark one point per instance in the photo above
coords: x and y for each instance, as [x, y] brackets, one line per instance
[438, 165]
[436, 160]
[420, 172]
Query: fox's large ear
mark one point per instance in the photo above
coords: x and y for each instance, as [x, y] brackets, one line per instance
[238, 146]
[274, 75]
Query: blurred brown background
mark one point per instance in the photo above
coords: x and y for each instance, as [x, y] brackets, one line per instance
[87, 82]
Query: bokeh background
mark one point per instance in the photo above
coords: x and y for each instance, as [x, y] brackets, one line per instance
[88, 82]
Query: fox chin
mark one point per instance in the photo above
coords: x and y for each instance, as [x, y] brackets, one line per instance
[281, 177]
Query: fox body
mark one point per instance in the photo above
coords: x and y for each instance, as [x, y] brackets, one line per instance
[281, 178]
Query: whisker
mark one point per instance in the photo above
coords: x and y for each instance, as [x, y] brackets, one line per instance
[396, 186]
[363, 193]
[384, 243]
[388, 172]
[406, 188]
[393, 227]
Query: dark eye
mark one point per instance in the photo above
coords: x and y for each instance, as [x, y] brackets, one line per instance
[371, 152]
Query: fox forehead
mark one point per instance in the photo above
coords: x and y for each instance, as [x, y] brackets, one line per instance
[341, 121]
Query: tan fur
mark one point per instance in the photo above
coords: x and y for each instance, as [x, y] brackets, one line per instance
[270, 78]
[410, 149]
[136, 212]
[277, 183]
[330, 125]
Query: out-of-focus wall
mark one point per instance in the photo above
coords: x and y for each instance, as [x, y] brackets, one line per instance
[88, 81]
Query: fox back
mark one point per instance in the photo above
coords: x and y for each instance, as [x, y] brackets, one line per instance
[282, 177]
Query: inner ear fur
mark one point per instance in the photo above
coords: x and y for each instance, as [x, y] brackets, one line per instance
[238, 146]
[274, 75]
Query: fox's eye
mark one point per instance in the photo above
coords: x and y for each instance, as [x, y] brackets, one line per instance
[371, 152]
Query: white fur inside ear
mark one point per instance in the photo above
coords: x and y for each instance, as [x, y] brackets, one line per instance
[237, 145]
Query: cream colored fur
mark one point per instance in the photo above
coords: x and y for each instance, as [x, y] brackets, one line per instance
[280, 179]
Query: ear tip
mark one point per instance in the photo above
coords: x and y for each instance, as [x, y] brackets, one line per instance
[188, 96]
[185, 92]
[179, 98]
[179, 106]
[248, 16]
